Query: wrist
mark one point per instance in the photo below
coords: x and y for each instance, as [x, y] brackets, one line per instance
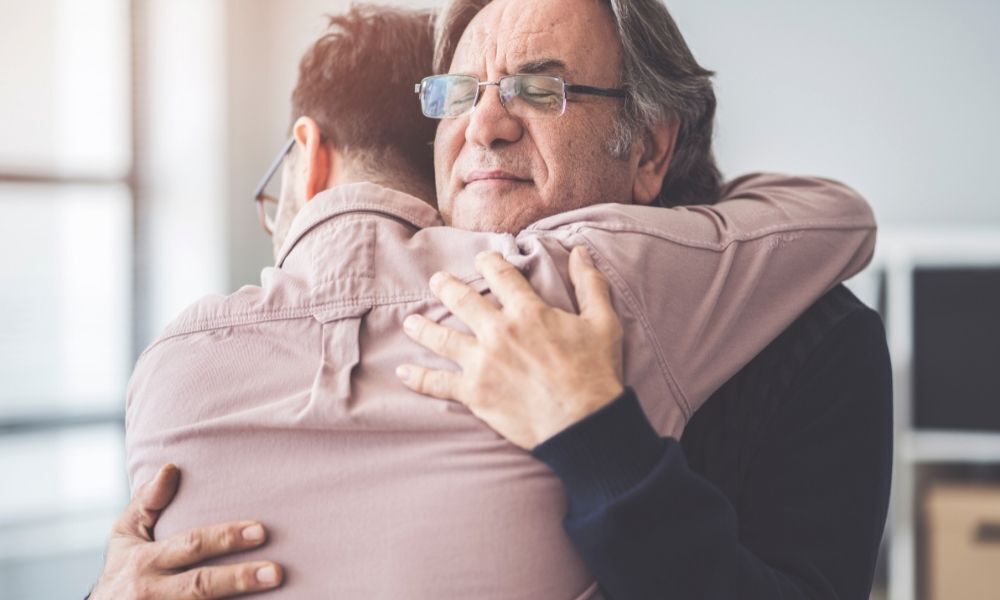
[605, 454]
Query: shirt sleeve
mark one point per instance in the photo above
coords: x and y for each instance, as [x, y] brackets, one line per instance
[713, 285]
[811, 512]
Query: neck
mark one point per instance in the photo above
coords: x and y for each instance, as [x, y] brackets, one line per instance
[399, 179]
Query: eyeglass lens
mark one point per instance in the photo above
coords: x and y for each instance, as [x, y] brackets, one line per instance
[526, 96]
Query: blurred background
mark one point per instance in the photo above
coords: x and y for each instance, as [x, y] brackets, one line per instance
[132, 134]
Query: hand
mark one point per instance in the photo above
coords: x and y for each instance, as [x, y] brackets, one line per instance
[138, 567]
[530, 370]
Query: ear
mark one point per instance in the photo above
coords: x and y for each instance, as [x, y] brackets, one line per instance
[313, 156]
[658, 145]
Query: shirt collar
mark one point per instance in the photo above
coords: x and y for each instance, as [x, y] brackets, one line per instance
[353, 198]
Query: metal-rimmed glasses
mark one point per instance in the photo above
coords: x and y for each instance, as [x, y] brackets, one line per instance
[267, 205]
[523, 95]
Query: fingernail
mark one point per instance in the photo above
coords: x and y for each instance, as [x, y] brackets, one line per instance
[403, 373]
[254, 533]
[410, 324]
[437, 279]
[268, 574]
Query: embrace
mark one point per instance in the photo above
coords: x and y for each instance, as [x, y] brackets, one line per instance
[520, 340]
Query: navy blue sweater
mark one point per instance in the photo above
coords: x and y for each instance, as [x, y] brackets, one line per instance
[779, 489]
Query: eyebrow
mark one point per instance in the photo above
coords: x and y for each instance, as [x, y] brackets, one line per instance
[544, 65]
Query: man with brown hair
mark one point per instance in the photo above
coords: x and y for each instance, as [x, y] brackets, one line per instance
[359, 68]
[374, 491]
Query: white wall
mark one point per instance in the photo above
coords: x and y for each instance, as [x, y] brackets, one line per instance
[898, 99]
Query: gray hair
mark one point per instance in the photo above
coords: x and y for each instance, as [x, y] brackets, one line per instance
[664, 82]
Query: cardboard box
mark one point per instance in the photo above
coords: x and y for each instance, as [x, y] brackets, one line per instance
[963, 542]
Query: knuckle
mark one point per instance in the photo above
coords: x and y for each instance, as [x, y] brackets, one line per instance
[437, 384]
[192, 542]
[141, 522]
[420, 380]
[227, 539]
[446, 337]
[509, 329]
[464, 296]
[200, 585]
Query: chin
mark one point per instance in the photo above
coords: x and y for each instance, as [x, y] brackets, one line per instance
[498, 213]
[493, 223]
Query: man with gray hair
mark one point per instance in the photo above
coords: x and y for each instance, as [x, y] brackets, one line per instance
[780, 488]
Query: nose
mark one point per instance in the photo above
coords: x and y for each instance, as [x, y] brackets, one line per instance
[490, 124]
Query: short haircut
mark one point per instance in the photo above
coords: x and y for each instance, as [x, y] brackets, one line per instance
[663, 79]
[357, 81]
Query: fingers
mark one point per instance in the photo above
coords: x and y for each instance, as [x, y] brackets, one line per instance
[593, 293]
[192, 547]
[152, 497]
[439, 384]
[221, 582]
[439, 339]
[506, 282]
[462, 300]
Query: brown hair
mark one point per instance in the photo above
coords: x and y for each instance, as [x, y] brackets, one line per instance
[664, 82]
[357, 81]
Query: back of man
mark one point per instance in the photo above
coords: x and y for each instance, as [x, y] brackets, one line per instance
[370, 490]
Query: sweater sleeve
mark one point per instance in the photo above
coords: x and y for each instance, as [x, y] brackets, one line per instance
[811, 512]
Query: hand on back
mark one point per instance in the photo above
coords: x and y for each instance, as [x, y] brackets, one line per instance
[139, 567]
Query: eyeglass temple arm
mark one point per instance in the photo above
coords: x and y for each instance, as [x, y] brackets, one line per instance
[595, 91]
[259, 193]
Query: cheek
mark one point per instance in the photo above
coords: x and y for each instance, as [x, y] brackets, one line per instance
[448, 143]
[564, 160]
[581, 169]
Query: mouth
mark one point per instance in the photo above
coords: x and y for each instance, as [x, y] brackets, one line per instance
[494, 176]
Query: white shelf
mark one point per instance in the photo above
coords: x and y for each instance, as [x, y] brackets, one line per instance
[951, 447]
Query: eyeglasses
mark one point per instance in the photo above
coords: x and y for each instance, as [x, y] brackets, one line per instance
[524, 96]
[267, 205]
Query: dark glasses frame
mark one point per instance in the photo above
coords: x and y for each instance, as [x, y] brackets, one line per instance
[260, 197]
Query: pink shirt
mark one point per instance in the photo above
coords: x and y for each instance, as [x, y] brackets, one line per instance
[279, 402]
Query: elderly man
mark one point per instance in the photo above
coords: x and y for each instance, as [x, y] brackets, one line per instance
[512, 150]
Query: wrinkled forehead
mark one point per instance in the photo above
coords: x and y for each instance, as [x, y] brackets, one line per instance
[575, 39]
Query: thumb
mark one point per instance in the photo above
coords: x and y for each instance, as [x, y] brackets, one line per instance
[150, 499]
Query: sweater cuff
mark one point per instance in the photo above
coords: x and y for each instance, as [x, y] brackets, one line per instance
[603, 455]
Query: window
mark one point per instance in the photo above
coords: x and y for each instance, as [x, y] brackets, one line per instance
[66, 340]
